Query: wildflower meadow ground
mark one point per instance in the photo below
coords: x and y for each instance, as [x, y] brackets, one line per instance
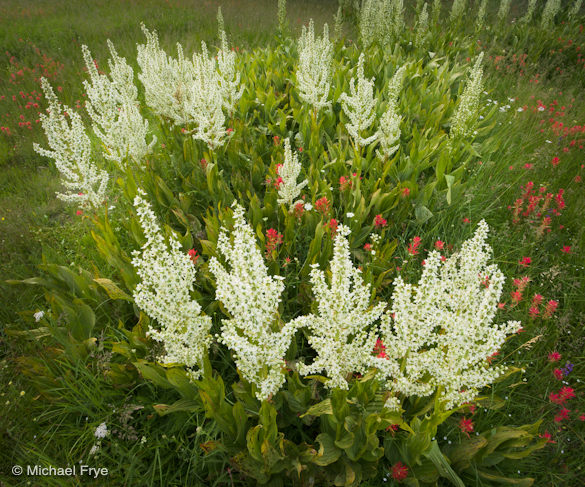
[292, 243]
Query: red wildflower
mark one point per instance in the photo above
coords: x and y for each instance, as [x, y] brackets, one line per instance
[413, 246]
[229, 130]
[273, 239]
[466, 426]
[533, 312]
[555, 161]
[548, 437]
[203, 164]
[278, 182]
[567, 392]
[300, 149]
[439, 245]
[562, 414]
[582, 417]
[405, 192]
[380, 222]
[554, 357]
[393, 428]
[501, 305]
[323, 205]
[344, 183]
[466, 220]
[399, 471]
[536, 300]
[368, 247]
[558, 373]
[516, 297]
[566, 249]
[276, 139]
[525, 262]
[299, 209]
[332, 226]
[551, 307]
[379, 349]
[79, 212]
[193, 254]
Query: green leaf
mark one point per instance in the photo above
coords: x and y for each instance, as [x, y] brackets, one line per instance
[328, 452]
[436, 456]
[324, 407]
[422, 214]
[112, 290]
[182, 405]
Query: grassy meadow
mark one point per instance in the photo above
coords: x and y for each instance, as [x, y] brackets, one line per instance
[87, 360]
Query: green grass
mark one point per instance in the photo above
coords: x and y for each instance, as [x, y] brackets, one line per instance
[150, 450]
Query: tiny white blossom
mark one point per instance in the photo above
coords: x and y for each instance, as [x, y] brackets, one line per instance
[39, 316]
[101, 431]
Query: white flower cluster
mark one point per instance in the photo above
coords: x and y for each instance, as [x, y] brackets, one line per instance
[255, 333]
[504, 10]
[457, 10]
[341, 332]
[360, 106]
[314, 71]
[422, 27]
[439, 334]
[114, 109]
[71, 150]
[229, 80]
[551, 9]
[529, 12]
[101, 431]
[389, 132]
[436, 11]
[289, 172]
[369, 22]
[191, 93]
[164, 293]
[481, 13]
[574, 11]
[380, 20]
[465, 118]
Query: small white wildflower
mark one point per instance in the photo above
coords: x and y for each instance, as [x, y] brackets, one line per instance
[463, 121]
[423, 354]
[541, 109]
[255, 333]
[71, 150]
[308, 206]
[389, 133]
[349, 215]
[520, 109]
[314, 71]
[39, 316]
[101, 431]
[340, 332]
[359, 107]
[94, 449]
[289, 172]
[549, 12]
[164, 293]
[529, 12]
